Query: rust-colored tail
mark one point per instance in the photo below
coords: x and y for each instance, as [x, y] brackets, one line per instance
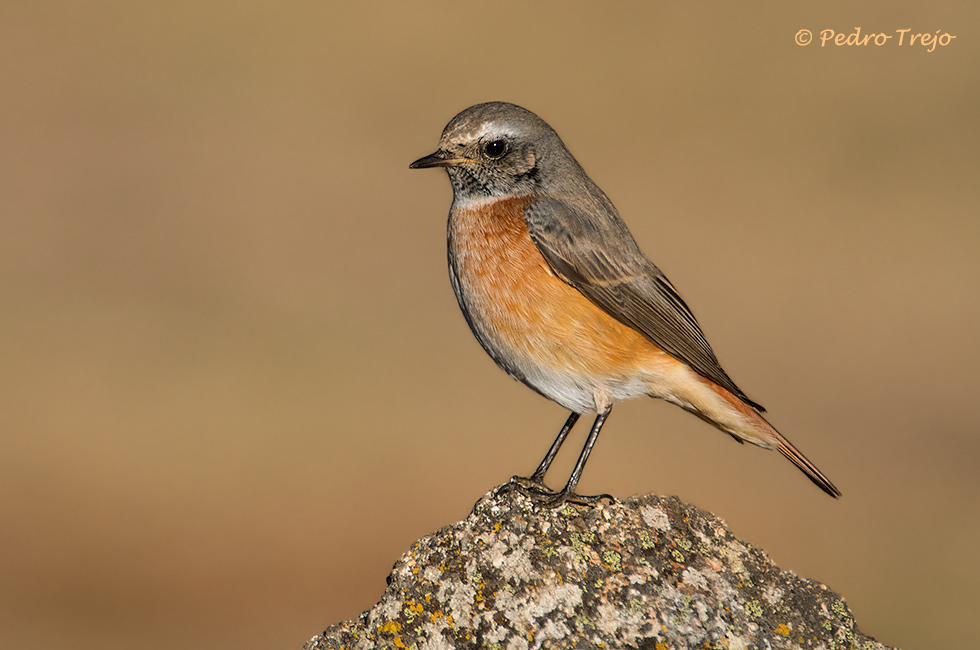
[794, 455]
[758, 431]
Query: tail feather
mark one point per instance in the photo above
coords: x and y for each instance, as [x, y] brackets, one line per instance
[797, 458]
[758, 431]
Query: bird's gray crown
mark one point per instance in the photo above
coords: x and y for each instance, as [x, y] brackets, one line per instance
[494, 119]
[499, 149]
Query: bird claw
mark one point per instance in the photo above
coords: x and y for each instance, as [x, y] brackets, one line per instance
[523, 484]
[540, 493]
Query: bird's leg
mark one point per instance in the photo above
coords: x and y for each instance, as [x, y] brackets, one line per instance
[538, 476]
[535, 482]
[540, 493]
[567, 493]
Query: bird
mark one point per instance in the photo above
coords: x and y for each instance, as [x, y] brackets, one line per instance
[557, 291]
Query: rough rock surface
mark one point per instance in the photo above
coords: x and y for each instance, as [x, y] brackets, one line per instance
[650, 573]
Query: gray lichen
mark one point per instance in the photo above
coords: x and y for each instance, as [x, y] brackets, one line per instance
[650, 573]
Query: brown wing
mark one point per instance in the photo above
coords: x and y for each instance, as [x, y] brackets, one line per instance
[597, 255]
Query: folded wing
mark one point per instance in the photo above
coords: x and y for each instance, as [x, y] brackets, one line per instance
[600, 258]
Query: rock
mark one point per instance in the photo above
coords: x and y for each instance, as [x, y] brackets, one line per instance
[650, 573]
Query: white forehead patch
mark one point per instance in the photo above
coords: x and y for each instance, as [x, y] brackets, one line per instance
[463, 136]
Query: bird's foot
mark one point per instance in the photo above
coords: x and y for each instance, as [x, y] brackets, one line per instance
[542, 494]
[523, 484]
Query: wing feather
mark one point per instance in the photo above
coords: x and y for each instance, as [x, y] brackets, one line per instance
[598, 256]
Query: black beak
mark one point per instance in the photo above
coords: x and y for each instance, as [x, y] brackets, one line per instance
[437, 159]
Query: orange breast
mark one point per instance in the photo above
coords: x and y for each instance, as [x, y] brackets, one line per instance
[554, 339]
[524, 314]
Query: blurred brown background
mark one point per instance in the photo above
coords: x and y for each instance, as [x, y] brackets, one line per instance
[236, 385]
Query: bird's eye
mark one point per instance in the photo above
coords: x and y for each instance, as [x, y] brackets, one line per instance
[495, 149]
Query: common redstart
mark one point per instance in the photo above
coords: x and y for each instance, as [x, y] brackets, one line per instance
[557, 291]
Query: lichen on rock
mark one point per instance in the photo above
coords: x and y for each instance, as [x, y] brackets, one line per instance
[650, 573]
